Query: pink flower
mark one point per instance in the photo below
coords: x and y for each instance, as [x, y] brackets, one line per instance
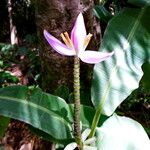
[76, 45]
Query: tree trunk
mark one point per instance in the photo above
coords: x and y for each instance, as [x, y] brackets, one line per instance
[57, 16]
[13, 30]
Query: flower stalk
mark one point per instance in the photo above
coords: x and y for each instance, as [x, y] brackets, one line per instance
[77, 131]
[76, 45]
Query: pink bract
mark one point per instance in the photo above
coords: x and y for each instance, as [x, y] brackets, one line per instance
[77, 42]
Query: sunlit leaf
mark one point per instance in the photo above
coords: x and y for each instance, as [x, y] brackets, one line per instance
[128, 35]
[122, 133]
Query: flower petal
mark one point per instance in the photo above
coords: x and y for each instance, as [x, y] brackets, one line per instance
[71, 146]
[58, 45]
[85, 147]
[93, 57]
[78, 33]
[90, 141]
[85, 134]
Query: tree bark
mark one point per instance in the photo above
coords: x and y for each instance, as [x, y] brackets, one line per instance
[13, 30]
[57, 16]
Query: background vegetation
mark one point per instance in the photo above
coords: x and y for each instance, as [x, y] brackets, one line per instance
[29, 62]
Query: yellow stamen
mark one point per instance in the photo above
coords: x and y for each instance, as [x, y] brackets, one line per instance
[87, 40]
[66, 39]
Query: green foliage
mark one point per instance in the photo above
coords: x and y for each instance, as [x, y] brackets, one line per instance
[87, 114]
[4, 121]
[122, 133]
[137, 97]
[148, 131]
[139, 2]
[116, 78]
[48, 137]
[102, 13]
[43, 111]
[49, 116]
[62, 91]
[145, 79]
[6, 78]
[137, 106]
[107, 9]
[6, 48]
[19, 62]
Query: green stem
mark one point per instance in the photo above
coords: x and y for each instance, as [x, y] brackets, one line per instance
[96, 120]
[101, 105]
[77, 130]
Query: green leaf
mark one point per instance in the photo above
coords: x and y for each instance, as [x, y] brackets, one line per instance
[48, 137]
[148, 131]
[122, 133]
[145, 79]
[87, 114]
[102, 13]
[6, 48]
[6, 76]
[41, 110]
[62, 91]
[139, 2]
[45, 112]
[4, 121]
[128, 36]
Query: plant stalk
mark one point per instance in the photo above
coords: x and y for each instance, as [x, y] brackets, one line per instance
[100, 108]
[95, 121]
[77, 131]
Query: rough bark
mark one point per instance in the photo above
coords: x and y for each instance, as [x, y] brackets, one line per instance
[57, 16]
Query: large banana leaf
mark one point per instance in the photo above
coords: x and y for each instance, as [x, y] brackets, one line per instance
[128, 35]
[122, 133]
[139, 2]
[87, 114]
[50, 115]
[43, 111]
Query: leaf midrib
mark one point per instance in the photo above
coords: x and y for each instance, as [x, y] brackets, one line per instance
[136, 24]
[115, 70]
[26, 102]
